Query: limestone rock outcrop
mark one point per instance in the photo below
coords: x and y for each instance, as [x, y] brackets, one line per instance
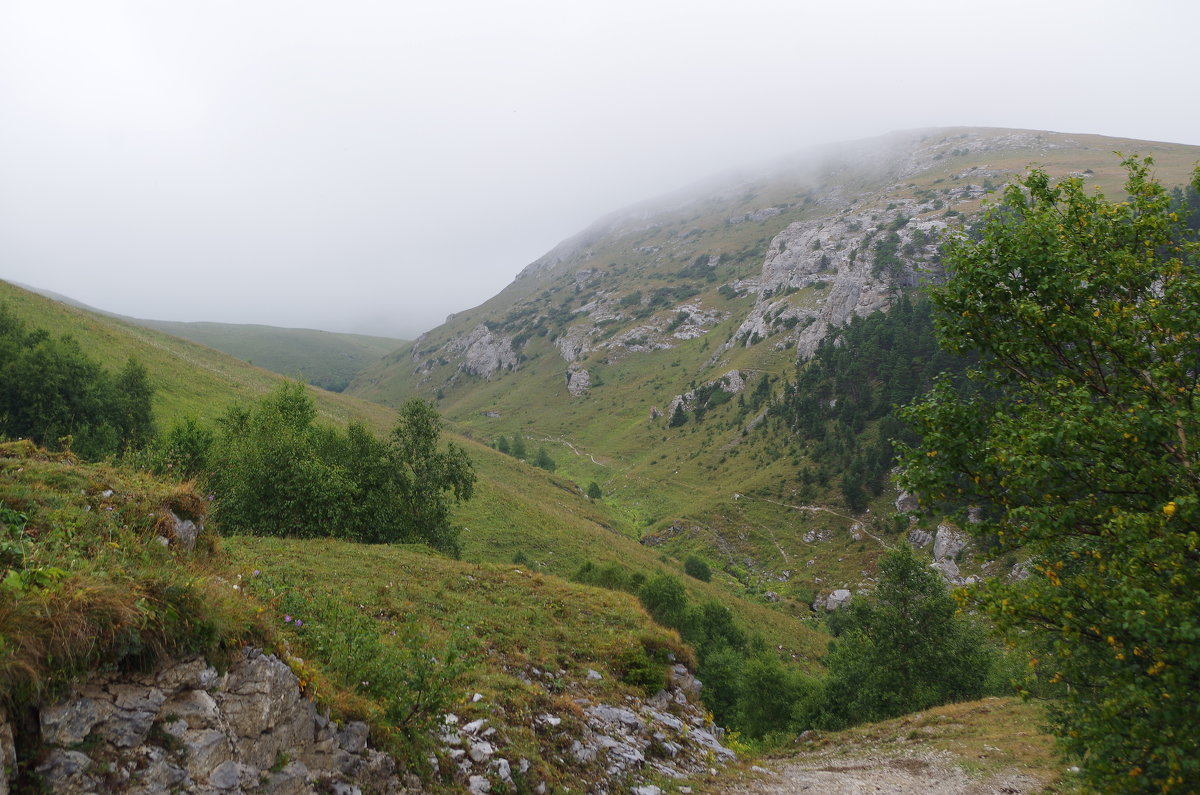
[188, 728]
[483, 352]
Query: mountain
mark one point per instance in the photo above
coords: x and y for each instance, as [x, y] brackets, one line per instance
[644, 351]
[326, 359]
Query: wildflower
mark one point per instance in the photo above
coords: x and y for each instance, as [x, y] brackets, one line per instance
[287, 619]
[257, 572]
[299, 622]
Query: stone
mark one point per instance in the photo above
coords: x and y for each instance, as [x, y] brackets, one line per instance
[594, 674]
[948, 542]
[579, 381]
[185, 532]
[837, 599]
[196, 708]
[353, 737]
[583, 753]
[503, 769]
[478, 785]
[907, 503]
[647, 789]
[230, 729]
[948, 569]
[475, 726]
[227, 775]
[191, 674]
[616, 715]
[481, 751]
[919, 538]
[70, 722]
[66, 771]
[483, 353]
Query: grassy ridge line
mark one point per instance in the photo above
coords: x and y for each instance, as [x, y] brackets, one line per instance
[188, 378]
[93, 589]
[516, 508]
[519, 509]
[325, 358]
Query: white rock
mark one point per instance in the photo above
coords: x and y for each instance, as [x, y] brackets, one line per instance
[948, 542]
[481, 751]
[837, 599]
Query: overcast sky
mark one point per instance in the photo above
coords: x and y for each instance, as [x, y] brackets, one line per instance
[373, 166]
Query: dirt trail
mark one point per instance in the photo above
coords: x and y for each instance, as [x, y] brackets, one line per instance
[922, 774]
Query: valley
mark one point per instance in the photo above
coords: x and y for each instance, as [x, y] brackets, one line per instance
[723, 365]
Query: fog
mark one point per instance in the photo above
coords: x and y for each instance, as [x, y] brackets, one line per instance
[373, 166]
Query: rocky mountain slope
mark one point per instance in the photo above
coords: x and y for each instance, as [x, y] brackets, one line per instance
[775, 258]
[645, 351]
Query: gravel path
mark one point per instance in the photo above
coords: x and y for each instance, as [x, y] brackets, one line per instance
[927, 773]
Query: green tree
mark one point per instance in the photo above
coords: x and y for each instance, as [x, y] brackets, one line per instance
[276, 472]
[593, 491]
[131, 399]
[54, 394]
[432, 479]
[1081, 443]
[544, 461]
[695, 567]
[903, 650]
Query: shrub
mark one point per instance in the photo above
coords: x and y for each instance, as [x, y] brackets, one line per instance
[695, 567]
[277, 473]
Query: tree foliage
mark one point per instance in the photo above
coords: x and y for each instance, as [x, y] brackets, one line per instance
[843, 400]
[54, 394]
[1086, 452]
[275, 471]
[903, 650]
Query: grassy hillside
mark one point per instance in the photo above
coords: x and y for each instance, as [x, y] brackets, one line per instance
[327, 359]
[670, 296]
[188, 378]
[91, 586]
[517, 508]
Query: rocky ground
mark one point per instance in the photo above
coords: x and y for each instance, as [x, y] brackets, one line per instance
[924, 773]
[988, 746]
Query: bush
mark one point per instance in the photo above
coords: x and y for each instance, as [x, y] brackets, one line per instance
[903, 650]
[52, 393]
[275, 472]
[695, 567]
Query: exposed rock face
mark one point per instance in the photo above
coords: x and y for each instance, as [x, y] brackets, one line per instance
[835, 600]
[837, 256]
[919, 538]
[948, 542]
[186, 728]
[608, 747]
[732, 382]
[575, 342]
[578, 380]
[483, 353]
[907, 503]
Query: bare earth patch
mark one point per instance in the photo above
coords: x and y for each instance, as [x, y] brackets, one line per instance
[989, 746]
